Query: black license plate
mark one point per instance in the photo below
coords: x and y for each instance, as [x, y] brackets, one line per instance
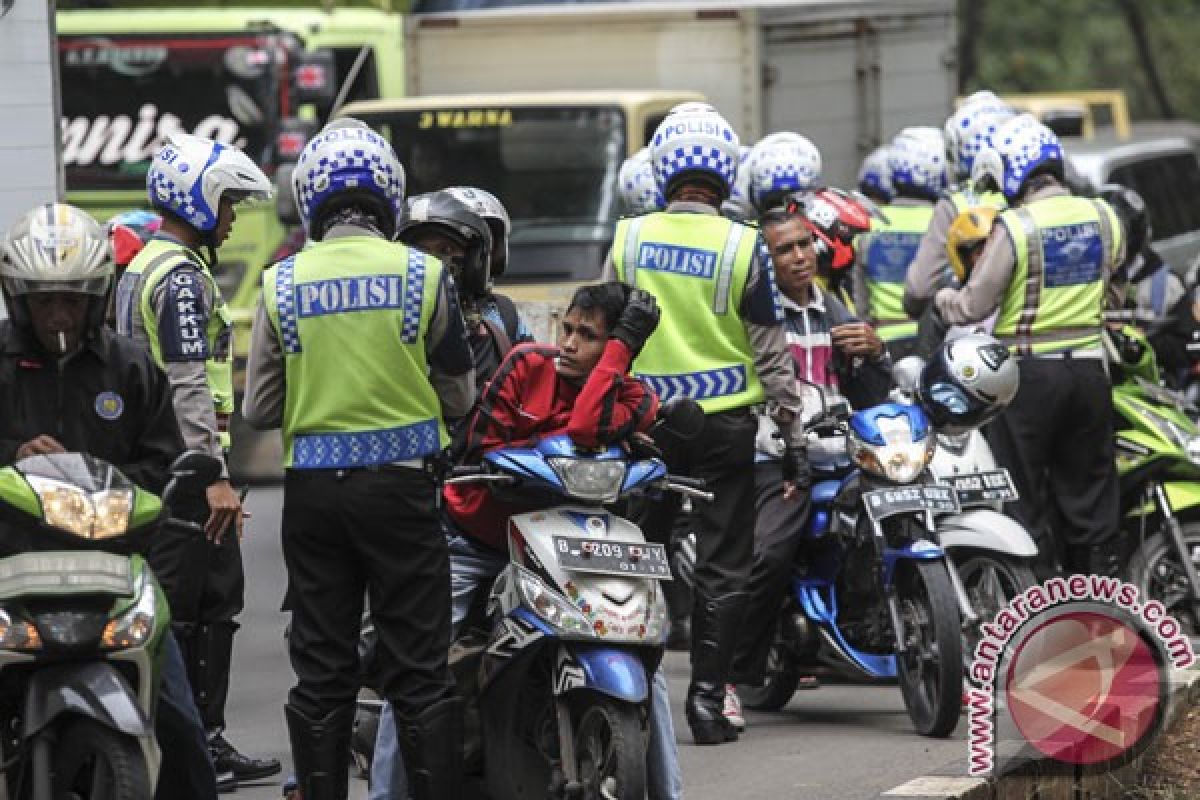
[908, 499]
[608, 557]
[984, 488]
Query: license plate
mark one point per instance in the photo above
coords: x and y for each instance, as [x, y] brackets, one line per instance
[906, 500]
[607, 557]
[984, 488]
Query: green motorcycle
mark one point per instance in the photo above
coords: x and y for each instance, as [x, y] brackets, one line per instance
[1158, 461]
[81, 622]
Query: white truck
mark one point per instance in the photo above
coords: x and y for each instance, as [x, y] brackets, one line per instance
[847, 74]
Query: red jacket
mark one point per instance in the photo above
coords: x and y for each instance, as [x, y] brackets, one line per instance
[527, 400]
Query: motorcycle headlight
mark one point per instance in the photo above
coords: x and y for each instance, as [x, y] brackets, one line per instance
[134, 627]
[102, 515]
[590, 479]
[18, 634]
[551, 605]
[900, 460]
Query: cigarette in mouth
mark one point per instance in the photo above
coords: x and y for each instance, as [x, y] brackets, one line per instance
[62, 342]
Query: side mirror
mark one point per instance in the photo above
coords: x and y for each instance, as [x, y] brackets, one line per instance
[906, 373]
[682, 416]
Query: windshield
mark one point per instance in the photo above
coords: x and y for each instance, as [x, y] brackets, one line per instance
[554, 168]
[75, 469]
[123, 95]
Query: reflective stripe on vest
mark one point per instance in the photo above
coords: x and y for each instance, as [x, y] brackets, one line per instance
[1064, 248]
[698, 267]
[352, 315]
[885, 255]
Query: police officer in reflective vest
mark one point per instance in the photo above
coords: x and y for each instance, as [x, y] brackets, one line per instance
[168, 300]
[359, 352]
[1046, 266]
[917, 162]
[720, 341]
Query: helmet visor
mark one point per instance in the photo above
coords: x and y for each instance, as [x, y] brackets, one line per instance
[93, 286]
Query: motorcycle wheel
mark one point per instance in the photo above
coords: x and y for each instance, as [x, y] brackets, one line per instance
[610, 750]
[92, 762]
[1155, 570]
[930, 671]
[781, 677]
[992, 580]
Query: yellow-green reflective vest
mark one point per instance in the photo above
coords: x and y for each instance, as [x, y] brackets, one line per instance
[967, 198]
[697, 266]
[134, 305]
[1064, 247]
[886, 253]
[352, 316]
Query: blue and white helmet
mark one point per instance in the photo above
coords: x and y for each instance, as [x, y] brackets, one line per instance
[694, 139]
[635, 181]
[738, 206]
[917, 160]
[874, 176]
[1020, 145]
[968, 129]
[782, 163]
[347, 156]
[189, 174]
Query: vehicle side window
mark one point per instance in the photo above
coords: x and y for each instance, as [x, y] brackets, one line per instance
[366, 82]
[652, 123]
[1169, 185]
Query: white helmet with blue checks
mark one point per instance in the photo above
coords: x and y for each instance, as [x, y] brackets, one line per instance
[345, 163]
[917, 160]
[189, 174]
[780, 164]
[694, 141]
[639, 190]
[1018, 148]
[968, 129]
[874, 176]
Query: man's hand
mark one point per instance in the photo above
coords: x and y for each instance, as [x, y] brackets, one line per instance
[857, 339]
[637, 321]
[42, 445]
[797, 477]
[224, 509]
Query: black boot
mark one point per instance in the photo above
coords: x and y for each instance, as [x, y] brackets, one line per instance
[321, 752]
[715, 625]
[432, 748]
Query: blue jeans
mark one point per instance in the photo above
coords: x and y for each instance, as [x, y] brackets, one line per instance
[474, 568]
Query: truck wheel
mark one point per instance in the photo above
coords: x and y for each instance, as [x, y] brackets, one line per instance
[93, 762]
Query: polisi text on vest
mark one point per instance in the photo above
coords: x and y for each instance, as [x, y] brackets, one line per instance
[340, 295]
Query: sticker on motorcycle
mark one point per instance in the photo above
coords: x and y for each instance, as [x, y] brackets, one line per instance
[568, 674]
[883, 503]
[608, 557]
[513, 636]
[984, 488]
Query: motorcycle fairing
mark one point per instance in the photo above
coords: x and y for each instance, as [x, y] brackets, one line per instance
[93, 689]
[987, 530]
[531, 465]
[617, 673]
[818, 599]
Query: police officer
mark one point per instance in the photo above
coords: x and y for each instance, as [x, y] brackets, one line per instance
[1046, 266]
[720, 341]
[168, 300]
[917, 162]
[359, 352]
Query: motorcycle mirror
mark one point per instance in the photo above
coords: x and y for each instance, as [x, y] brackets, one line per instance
[682, 416]
[907, 373]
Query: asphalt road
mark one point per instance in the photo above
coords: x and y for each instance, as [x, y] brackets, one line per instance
[837, 743]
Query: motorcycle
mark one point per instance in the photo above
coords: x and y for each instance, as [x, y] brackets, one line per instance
[873, 594]
[577, 624]
[81, 624]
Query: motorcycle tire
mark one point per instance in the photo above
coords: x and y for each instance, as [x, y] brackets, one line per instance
[781, 678]
[930, 671]
[610, 748]
[90, 755]
[992, 580]
[1155, 562]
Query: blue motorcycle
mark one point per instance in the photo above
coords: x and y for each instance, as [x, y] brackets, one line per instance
[872, 595]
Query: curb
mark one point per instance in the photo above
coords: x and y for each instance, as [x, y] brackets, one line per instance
[952, 782]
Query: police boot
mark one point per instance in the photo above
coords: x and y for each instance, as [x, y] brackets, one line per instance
[431, 744]
[715, 623]
[321, 752]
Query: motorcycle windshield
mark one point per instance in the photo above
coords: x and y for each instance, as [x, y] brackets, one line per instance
[84, 472]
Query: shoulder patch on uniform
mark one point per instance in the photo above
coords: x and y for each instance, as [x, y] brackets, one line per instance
[183, 316]
[109, 406]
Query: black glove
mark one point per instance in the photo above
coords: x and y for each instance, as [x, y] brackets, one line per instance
[795, 467]
[638, 320]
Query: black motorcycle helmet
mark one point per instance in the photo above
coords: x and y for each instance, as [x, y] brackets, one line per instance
[443, 214]
[1131, 210]
[968, 381]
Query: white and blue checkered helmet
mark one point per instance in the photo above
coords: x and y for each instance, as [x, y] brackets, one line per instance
[189, 174]
[347, 156]
[968, 129]
[782, 163]
[917, 160]
[738, 206]
[874, 176]
[694, 139]
[1020, 145]
[637, 186]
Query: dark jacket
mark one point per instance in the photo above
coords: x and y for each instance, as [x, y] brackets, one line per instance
[109, 400]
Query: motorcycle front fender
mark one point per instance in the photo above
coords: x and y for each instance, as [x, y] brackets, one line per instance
[91, 689]
[618, 673]
[984, 529]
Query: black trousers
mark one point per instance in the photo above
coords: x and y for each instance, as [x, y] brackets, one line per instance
[350, 532]
[777, 537]
[1056, 438]
[723, 456]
